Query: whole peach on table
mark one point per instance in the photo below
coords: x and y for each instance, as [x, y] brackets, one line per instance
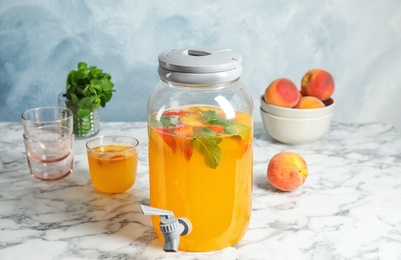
[287, 171]
[317, 83]
[282, 92]
[309, 102]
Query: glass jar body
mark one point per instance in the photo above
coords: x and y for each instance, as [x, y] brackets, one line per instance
[201, 159]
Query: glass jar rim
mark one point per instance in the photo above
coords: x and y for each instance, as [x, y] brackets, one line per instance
[129, 141]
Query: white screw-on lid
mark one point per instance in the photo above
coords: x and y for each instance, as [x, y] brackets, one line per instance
[200, 66]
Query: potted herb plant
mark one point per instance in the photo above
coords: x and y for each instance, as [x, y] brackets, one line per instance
[87, 89]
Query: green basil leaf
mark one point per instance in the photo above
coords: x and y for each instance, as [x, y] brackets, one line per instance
[107, 85]
[82, 65]
[83, 112]
[88, 88]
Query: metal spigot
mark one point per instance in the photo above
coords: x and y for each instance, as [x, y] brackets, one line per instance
[170, 227]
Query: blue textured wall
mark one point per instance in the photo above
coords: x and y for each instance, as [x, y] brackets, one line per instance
[359, 42]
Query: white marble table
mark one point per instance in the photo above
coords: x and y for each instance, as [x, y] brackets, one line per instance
[349, 207]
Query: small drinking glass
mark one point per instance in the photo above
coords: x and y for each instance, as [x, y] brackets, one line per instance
[112, 162]
[49, 138]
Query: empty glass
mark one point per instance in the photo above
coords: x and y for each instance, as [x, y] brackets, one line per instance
[48, 137]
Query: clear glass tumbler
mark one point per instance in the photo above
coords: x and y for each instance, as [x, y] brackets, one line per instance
[49, 138]
[112, 162]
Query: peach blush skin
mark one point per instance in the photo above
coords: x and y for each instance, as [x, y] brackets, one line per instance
[317, 83]
[282, 92]
[309, 102]
[287, 171]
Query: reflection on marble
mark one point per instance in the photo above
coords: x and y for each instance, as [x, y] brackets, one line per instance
[349, 207]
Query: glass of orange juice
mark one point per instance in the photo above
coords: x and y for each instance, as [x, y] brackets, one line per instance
[112, 162]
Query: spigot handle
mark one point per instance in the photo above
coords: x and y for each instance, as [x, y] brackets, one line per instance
[147, 210]
[166, 216]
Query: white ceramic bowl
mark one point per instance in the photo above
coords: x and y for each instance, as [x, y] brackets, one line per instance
[296, 131]
[297, 112]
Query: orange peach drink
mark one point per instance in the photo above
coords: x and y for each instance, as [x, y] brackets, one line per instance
[201, 169]
[113, 167]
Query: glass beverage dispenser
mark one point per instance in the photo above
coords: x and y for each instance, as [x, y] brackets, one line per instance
[200, 127]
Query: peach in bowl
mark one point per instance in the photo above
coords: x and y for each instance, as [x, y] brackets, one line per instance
[298, 112]
[296, 131]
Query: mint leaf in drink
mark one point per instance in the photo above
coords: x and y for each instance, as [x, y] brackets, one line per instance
[213, 118]
[168, 121]
[238, 129]
[204, 131]
[208, 147]
[164, 121]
